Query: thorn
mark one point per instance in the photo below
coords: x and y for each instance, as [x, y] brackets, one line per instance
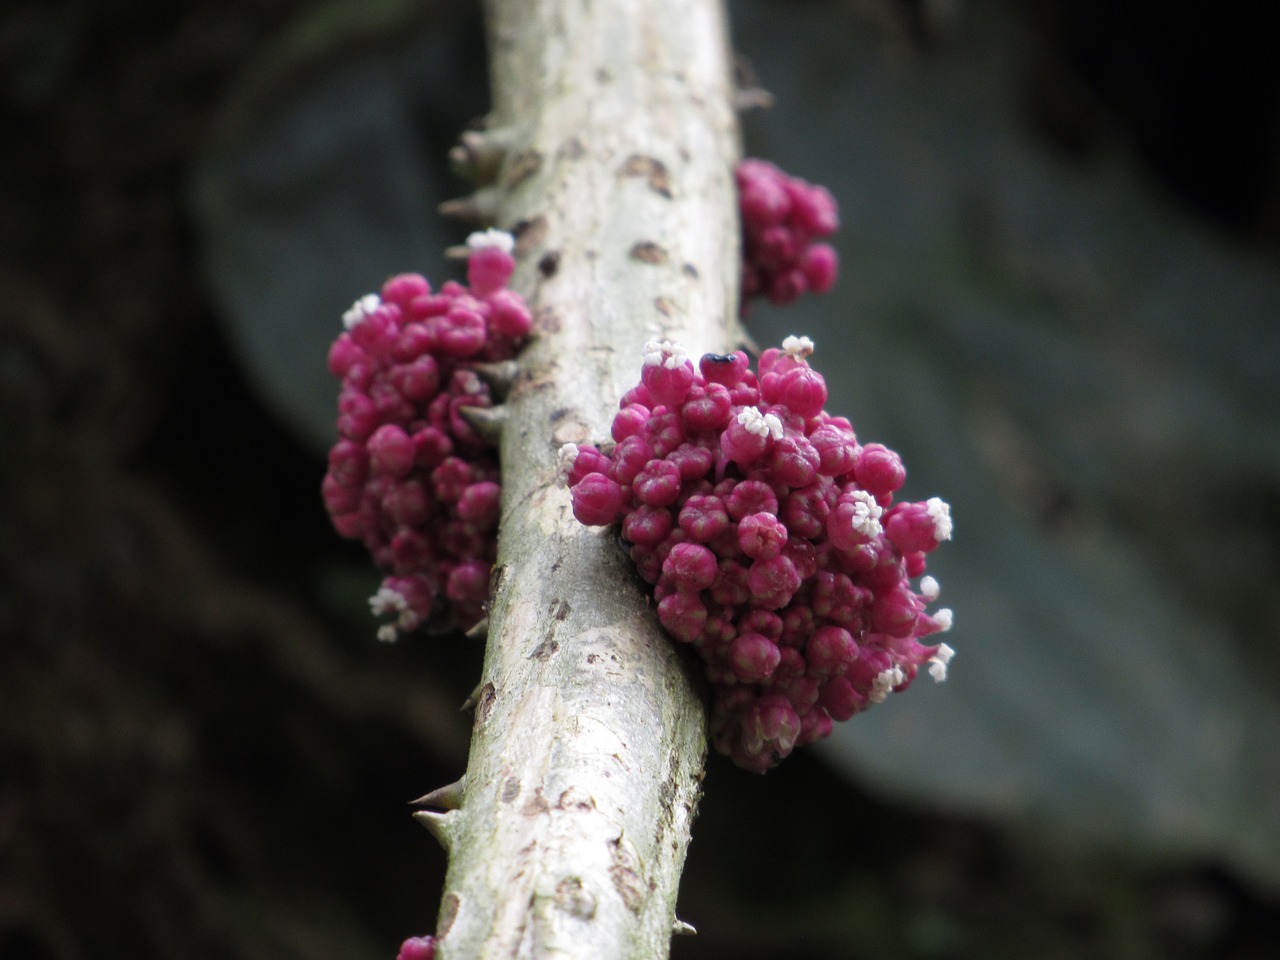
[439, 825]
[753, 98]
[479, 208]
[479, 154]
[448, 797]
[473, 699]
[479, 630]
[486, 421]
[682, 929]
[747, 92]
[499, 375]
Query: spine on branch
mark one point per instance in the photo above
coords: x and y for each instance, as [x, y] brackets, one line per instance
[618, 143]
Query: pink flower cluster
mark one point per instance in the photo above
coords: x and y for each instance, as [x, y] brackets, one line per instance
[771, 539]
[409, 476]
[781, 218]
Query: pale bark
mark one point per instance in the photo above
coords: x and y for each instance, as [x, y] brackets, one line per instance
[618, 141]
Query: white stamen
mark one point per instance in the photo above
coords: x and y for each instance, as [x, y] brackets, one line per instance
[929, 588]
[884, 682]
[866, 514]
[565, 459]
[938, 662]
[798, 347]
[387, 600]
[940, 513]
[492, 238]
[944, 618]
[360, 310]
[667, 353]
[753, 421]
[760, 424]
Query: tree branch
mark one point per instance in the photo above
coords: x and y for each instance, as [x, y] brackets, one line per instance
[612, 144]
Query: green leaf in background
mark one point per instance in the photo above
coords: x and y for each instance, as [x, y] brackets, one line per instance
[323, 180]
[1089, 377]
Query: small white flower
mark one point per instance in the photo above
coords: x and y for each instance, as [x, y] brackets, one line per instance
[938, 662]
[884, 682]
[798, 347]
[940, 513]
[387, 633]
[360, 310]
[944, 618]
[760, 424]
[753, 421]
[492, 238]
[387, 600]
[666, 353]
[929, 588]
[866, 514]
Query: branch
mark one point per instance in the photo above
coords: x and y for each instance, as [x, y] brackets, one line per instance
[611, 146]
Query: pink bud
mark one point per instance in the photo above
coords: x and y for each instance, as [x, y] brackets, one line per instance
[683, 615]
[596, 500]
[821, 265]
[703, 518]
[690, 566]
[391, 452]
[761, 536]
[879, 470]
[403, 288]
[753, 657]
[418, 948]
[830, 650]
[508, 314]
[488, 269]
[724, 369]
[657, 484]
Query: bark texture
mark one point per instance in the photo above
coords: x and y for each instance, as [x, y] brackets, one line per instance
[615, 138]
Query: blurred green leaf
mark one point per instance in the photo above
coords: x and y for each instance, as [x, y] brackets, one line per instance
[322, 180]
[1088, 375]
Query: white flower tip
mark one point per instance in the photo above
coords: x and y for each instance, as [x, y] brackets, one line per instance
[387, 600]
[492, 238]
[884, 682]
[360, 310]
[797, 346]
[938, 662]
[388, 633]
[944, 618]
[753, 420]
[866, 514]
[565, 459]
[940, 512]
[773, 425]
[666, 352]
[929, 588]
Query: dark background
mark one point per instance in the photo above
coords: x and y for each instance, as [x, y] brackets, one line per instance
[203, 753]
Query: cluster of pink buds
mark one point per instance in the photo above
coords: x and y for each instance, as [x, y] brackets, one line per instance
[409, 475]
[782, 216]
[418, 948]
[772, 542]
